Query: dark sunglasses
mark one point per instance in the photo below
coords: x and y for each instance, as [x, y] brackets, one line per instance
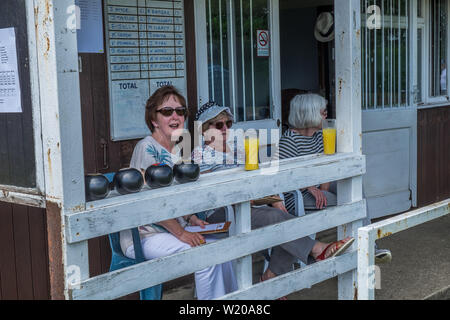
[219, 125]
[167, 111]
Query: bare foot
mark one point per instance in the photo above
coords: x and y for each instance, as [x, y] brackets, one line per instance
[268, 275]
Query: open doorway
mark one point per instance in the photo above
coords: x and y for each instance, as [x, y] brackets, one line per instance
[306, 57]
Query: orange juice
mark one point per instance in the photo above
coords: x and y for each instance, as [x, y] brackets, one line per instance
[329, 140]
[251, 153]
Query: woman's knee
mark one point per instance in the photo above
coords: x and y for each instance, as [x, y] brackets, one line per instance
[268, 215]
[162, 245]
[218, 216]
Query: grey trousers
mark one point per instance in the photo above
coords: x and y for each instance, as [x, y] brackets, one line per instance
[284, 255]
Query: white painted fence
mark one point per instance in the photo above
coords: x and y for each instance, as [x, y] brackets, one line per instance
[219, 189]
[368, 234]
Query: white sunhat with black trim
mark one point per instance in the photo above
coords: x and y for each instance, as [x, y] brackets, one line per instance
[211, 110]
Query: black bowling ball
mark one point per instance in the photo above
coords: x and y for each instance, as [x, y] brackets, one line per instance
[186, 172]
[158, 175]
[128, 181]
[96, 187]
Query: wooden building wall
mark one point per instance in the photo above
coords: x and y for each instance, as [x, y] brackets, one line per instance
[24, 269]
[23, 253]
[433, 156]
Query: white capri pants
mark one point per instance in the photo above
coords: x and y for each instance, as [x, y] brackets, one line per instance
[210, 283]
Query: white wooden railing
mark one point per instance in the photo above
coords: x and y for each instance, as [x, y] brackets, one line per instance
[368, 234]
[213, 190]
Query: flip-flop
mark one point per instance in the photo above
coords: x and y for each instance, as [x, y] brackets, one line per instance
[341, 246]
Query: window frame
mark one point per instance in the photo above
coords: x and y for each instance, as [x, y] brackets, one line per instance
[427, 100]
[33, 196]
[274, 69]
[405, 23]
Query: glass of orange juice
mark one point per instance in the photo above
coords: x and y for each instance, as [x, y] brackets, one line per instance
[251, 145]
[329, 136]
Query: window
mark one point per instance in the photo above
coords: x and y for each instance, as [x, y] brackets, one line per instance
[385, 55]
[421, 45]
[438, 48]
[432, 42]
[238, 72]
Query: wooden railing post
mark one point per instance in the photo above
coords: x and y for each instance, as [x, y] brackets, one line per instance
[243, 266]
[348, 114]
[59, 92]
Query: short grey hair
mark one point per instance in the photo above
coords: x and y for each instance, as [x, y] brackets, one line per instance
[305, 110]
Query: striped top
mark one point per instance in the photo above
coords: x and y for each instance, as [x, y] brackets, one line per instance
[293, 144]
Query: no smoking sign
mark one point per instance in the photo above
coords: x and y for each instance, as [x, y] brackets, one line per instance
[262, 40]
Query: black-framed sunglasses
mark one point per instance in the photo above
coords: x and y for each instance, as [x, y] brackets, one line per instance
[168, 111]
[219, 125]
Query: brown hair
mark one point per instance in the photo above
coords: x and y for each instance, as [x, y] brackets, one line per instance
[158, 98]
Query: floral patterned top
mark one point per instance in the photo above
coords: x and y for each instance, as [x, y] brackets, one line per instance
[148, 151]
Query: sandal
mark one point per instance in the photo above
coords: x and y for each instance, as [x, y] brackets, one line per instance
[337, 248]
[282, 298]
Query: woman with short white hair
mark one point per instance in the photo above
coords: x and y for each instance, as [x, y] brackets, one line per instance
[307, 111]
[305, 137]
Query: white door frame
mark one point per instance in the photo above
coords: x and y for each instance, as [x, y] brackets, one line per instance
[378, 120]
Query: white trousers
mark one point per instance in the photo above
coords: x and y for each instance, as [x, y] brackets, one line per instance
[210, 283]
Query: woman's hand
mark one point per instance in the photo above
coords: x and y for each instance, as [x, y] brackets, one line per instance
[196, 221]
[280, 205]
[191, 238]
[321, 199]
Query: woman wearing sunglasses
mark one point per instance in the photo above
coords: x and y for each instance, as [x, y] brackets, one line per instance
[165, 115]
[217, 153]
